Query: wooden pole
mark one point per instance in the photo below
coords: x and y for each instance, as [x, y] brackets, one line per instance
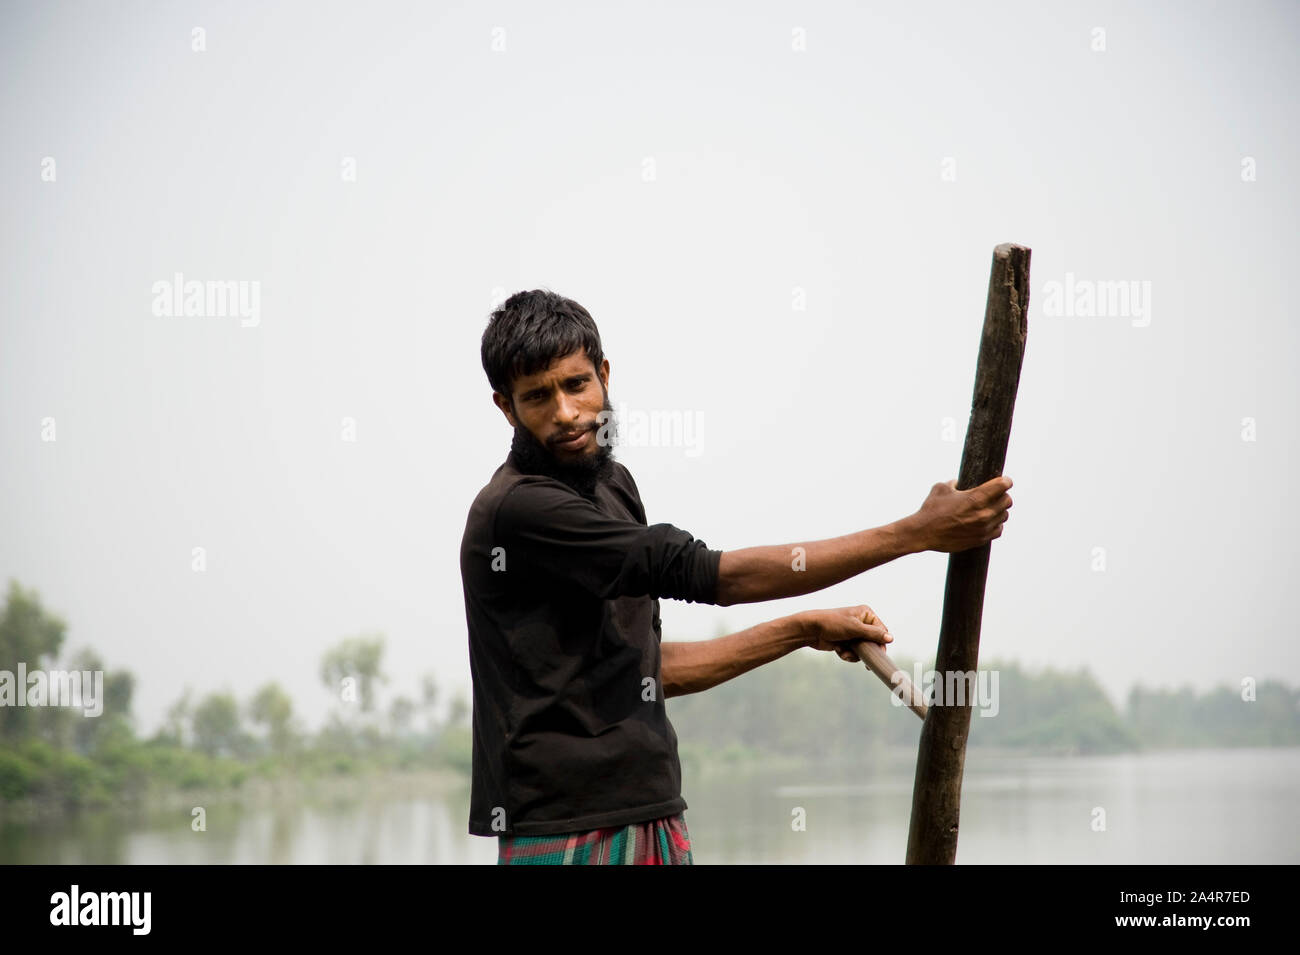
[878, 662]
[936, 792]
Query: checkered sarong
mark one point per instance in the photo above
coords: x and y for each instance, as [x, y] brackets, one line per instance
[659, 842]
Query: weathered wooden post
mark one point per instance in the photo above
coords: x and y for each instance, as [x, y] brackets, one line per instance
[936, 792]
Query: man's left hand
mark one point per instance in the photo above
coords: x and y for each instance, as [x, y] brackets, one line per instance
[834, 630]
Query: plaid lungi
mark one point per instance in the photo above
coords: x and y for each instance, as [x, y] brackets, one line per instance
[659, 842]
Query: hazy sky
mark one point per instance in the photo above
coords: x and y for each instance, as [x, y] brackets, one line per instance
[781, 216]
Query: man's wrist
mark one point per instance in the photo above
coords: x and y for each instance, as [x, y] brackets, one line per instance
[806, 627]
[911, 535]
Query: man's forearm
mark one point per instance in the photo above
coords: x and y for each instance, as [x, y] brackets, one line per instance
[689, 667]
[790, 570]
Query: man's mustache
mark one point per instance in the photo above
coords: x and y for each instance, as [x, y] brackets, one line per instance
[573, 434]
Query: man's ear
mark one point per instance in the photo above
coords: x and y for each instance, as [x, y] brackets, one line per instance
[502, 402]
[604, 373]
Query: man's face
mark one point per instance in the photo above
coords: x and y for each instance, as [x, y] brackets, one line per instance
[558, 409]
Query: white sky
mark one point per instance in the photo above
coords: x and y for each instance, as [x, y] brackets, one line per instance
[482, 171]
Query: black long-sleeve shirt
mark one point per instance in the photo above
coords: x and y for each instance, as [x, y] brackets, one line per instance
[562, 604]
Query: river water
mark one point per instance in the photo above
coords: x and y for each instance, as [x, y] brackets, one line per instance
[1183, 807]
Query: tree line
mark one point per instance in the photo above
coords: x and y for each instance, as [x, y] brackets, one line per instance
[809, 707]
[58, 757]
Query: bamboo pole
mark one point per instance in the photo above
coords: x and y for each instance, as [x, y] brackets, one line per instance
[936, 792]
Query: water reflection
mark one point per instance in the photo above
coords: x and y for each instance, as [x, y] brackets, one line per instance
[1188, 807]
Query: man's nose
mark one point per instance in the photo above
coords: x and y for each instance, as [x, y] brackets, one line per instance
[566, 411]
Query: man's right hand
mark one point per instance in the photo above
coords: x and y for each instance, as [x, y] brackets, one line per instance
[951, 520]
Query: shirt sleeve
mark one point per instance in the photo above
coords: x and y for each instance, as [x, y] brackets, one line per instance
[546, 528]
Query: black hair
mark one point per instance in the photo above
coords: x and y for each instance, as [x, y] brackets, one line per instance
[530, 331]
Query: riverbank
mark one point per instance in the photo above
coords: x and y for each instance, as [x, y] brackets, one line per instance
[252, 793]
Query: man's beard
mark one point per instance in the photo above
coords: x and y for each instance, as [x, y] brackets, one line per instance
[582, 472]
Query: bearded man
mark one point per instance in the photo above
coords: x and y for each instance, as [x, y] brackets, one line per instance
[574, 759]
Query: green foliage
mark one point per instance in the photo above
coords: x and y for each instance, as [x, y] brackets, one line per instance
[32, 636]
[35, 769]
[27, 631]
[807, 706]
[358, 659]
[1065, 712]
[1224, 717]
[455, 748]
[814, 707]
[272, 708]
[216, 727]
[54, 755]
[18, 776]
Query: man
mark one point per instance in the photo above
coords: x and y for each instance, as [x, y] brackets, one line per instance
[574, 759]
